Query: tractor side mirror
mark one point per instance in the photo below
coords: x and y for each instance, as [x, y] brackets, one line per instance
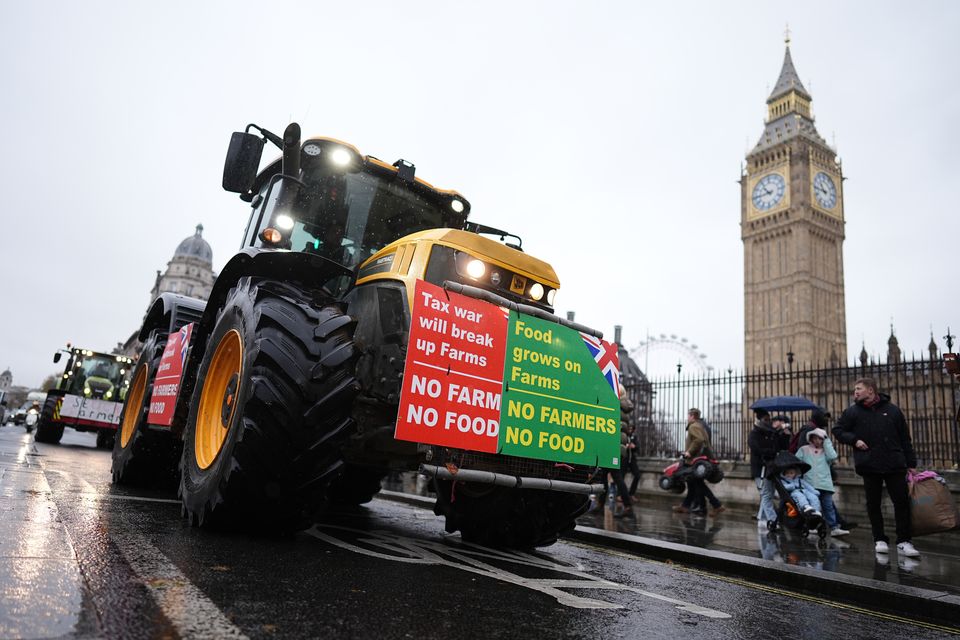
[56, 357]
[243, 160]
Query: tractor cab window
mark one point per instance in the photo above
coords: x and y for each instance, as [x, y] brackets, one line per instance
[94, 376]
[346, 217]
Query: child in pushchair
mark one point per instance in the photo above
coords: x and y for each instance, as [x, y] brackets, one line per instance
[799, 502]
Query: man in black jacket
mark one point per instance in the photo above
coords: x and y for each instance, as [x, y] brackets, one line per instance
[882, 455]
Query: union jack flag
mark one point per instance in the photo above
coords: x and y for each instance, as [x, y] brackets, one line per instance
[184, 343]
[607, 358]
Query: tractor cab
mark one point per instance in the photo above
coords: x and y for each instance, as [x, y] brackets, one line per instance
[325, 198]
[94, 375]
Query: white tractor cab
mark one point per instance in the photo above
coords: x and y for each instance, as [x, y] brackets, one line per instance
[88, 396]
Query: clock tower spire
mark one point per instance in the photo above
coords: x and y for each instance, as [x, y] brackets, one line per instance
[792, 227]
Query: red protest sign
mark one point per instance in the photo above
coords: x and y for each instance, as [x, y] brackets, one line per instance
[166, 384]
[453, 377]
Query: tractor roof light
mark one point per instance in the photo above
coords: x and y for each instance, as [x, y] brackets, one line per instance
[340, 157]
[456, 205]
[536, 291]
[551, 296]
[284, 221]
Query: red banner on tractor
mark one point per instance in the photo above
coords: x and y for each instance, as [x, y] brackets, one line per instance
[166, 384]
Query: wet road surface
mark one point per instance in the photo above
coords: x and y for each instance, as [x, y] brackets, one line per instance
[79, 558]
[938, 568]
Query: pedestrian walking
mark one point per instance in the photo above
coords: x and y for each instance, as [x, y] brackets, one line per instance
[631, 459]
[765, 441]
[715, 504]
[883, 455]
[616, 474]
[697, 444]
[820, 454]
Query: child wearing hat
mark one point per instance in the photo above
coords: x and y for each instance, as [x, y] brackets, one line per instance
[819, 454]
[803, 493]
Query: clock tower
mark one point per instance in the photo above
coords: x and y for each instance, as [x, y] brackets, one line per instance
[792, 227]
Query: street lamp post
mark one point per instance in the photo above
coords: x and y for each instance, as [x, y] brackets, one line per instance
[679, 415]
[790, 355]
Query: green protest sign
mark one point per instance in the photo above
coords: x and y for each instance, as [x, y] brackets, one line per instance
[560, 399]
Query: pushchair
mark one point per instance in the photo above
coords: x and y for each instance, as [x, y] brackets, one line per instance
[789, 514]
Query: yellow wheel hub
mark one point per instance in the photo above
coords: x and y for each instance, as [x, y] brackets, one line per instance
[218, 401]
[134, 407]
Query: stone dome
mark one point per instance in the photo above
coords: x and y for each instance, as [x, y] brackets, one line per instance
[195, 247]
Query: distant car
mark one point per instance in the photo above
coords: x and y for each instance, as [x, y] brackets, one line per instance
[20, 415]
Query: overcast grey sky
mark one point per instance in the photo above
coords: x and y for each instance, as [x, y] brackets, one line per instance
[608, 135]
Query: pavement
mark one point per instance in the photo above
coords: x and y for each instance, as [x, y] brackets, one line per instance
[846, 569]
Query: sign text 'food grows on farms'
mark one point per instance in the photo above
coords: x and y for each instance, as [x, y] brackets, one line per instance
[481, 378]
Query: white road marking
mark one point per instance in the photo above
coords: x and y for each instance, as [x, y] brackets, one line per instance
[115, 496]
[192, 614]
[185, 606]
[470, 558]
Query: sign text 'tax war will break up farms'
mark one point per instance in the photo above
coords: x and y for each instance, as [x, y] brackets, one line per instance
[481, 378]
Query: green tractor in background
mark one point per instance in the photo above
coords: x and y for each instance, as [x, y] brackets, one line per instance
[88, 397]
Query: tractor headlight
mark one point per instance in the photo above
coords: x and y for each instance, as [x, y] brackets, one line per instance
[108, 395]
[285, 222]
[86, 391]
[476, 269]
[536, 291]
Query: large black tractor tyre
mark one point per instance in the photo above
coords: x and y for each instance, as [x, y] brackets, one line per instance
[356, 485]
[510, 518]
[271, 409]
[143, 456]
[48, 430]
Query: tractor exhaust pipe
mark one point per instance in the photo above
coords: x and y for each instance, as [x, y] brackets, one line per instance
[291, 150]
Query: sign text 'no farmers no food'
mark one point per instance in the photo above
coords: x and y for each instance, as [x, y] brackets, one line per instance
[480, 378]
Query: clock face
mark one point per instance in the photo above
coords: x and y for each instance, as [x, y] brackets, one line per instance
[824, 190]
[769, 191]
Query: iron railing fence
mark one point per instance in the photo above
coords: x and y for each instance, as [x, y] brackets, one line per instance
[927, 395]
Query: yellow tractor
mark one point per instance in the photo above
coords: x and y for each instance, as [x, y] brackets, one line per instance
[283, 393]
